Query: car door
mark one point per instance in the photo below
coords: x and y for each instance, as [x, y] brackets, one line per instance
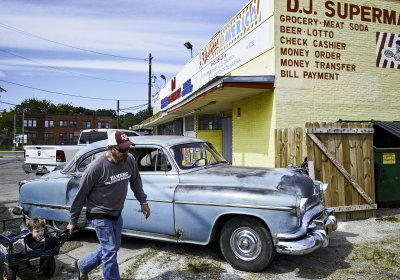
[159, 178]
[79, 168]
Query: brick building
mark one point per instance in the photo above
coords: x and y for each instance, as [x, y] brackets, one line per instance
[59, 129]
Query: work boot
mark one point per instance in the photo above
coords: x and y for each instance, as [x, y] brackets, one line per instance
[81, 275]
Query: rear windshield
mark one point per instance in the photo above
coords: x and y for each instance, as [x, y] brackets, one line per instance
[91, 137]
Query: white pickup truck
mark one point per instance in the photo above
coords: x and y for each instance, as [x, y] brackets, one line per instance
[41, 159]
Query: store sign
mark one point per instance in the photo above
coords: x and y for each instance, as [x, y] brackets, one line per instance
[243, 38]
[241, 24]
[178, 93]
[187, 87]
[209, 51]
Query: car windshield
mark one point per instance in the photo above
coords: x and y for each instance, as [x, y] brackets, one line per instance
[193, 155]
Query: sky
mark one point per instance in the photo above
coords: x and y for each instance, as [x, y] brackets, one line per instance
[91, 53]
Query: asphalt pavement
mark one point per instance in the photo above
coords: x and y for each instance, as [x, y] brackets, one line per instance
[10, 174]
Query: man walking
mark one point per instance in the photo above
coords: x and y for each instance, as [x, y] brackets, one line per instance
[103, 189]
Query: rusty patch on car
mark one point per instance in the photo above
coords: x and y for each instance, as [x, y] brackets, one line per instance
[248, 190]
[296, 184]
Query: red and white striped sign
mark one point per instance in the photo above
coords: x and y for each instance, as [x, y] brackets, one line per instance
[387, 50]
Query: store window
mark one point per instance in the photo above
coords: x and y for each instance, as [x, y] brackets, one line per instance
[85, 124]
[210, 122]
[48, 123]
[102, 125]
[63, 123]
[189, 123]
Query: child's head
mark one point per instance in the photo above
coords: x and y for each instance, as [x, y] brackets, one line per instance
[36, 228]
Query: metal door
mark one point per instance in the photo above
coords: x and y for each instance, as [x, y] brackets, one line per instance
[227, 138]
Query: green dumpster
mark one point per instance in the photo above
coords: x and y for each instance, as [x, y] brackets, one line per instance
[387, 176]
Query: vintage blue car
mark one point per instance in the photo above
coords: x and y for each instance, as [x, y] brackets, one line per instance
[196, 197]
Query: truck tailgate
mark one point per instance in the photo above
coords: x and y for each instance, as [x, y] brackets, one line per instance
[40, 155]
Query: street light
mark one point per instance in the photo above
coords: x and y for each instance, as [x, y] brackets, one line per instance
[163, 77]
[189, 46]
[1, 90]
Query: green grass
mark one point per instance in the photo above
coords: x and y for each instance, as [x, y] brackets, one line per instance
[374, 260]
[392, 219]
[195, 267]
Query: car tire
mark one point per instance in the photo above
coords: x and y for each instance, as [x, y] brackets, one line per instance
[49, 268]
[246, 244]
[8, 273]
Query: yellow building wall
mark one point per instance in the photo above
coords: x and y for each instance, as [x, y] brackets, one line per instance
[356, 88]
[212, 136]
[253, 134]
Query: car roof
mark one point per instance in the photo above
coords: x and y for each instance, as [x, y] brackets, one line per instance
[165, 141]
[108, 130]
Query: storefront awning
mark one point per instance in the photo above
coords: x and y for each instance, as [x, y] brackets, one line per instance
[216, 96]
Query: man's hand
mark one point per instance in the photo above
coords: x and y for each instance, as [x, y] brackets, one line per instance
[70, 228]
[145, 210]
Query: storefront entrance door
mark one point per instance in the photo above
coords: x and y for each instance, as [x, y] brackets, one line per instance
[227, 138]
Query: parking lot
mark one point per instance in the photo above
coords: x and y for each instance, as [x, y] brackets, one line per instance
[365, 249]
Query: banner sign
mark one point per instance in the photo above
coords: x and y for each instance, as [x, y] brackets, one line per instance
[243, 38]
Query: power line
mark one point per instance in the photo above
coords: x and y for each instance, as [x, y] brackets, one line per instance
[8, 103]
[66, 94]
[66, 45]
[134, 107]
[71, 72]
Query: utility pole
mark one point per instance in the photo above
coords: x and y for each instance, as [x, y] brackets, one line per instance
[117, 113]
[149, 106]
[23, 128]
[15, 116]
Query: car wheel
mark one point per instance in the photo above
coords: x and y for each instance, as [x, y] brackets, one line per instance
[8, 273]
[246, 244]
[49, 268]
[58, 224]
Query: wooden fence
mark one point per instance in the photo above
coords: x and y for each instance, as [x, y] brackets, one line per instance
[340, 154]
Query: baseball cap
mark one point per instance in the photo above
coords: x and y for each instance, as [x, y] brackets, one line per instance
[119, 139]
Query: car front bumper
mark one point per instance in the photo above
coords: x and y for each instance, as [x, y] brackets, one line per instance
[35, 168]
[313, 234]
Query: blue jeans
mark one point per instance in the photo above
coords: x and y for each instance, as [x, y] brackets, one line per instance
[109, 235]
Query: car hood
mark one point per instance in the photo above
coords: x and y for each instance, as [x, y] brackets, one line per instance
[267, 179]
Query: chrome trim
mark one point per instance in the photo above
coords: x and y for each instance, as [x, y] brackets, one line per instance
[145, 235]
[246, 244]
[27, 167]
[159, 200]
[318, 232]
[54, 206]
[279, 208]
[305, 220]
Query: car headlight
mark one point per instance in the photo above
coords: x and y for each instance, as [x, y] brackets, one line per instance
[301, 205]
[320, 188]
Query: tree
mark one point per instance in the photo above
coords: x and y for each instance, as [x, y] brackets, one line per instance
[6, 129]
[35, 106]
[128, 120]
